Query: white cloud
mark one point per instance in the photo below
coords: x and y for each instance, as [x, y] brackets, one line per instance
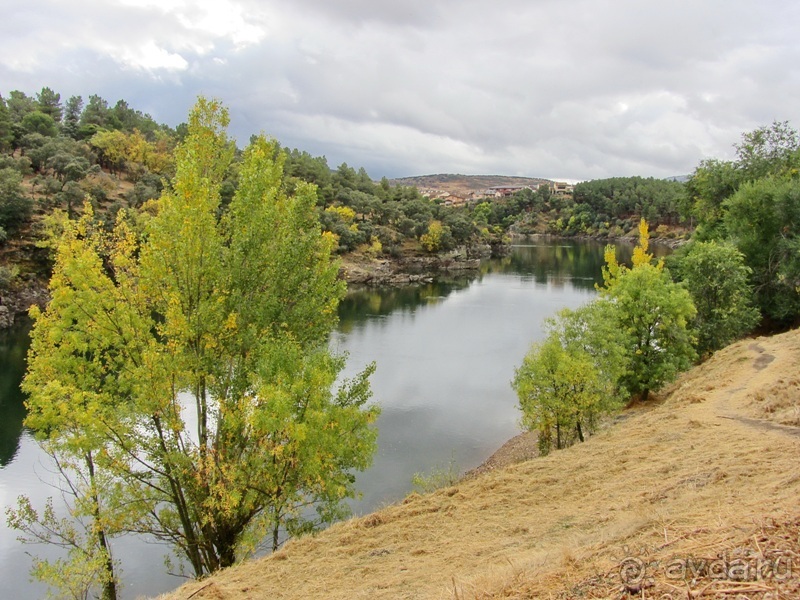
[150, 57]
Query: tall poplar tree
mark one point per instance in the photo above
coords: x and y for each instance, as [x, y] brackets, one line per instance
[198, 350]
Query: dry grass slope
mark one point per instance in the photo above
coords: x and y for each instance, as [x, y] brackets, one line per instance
[699, 489]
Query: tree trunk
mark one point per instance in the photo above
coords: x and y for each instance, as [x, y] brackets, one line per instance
[110, 581]
[580, 431]
[226, 550]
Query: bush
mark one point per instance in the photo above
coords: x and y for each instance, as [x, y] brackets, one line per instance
[439, 477]
[7, 276]
[15, 207]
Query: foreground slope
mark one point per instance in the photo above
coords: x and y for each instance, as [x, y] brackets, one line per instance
[710, 470]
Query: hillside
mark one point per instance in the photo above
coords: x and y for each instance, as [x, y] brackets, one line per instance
[464, 184]
[698, 487]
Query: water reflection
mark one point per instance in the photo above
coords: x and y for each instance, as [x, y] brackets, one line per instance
[565, 262]
[446, 354]
[544, 261]
[559, 262]
[13, 349]
[363, 304]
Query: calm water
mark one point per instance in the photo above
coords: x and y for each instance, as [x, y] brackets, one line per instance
[446, 353]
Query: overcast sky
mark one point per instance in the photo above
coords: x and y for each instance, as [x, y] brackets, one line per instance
[563, 89]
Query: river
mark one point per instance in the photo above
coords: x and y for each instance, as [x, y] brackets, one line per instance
[445, 355]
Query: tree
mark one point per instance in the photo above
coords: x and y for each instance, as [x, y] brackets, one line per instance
[19, 104]
[773, 149]
[50, 103]
[763, 152]
[72, 116]
[568, 381]
[39, 122]
[15, 206]
[654, 314]
[112, 146]
[482, 213]
[548, 385]
[717, 279]
[6, 127]
[708, 187]
[199, 350]
[763, 219]
[85, 533]
[96, 113]
[432, 239]
[657, 200]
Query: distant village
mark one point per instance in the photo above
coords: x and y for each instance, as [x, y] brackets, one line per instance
[559, 188]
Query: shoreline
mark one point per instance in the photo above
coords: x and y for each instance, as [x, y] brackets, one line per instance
[521, 447]
[354, 270]
[19, 299]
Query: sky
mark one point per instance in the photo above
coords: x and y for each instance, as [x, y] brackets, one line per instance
[562, 89]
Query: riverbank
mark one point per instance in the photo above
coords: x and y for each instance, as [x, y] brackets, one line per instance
[631, 239]
[704, 477]
[410, 268]
[18, 299]
[356, 269]
[360, 269]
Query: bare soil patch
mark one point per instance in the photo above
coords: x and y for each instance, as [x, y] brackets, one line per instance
[520, 448]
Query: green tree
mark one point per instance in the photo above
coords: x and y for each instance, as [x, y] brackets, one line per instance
[561, 392]
[763, 218]
[15, 206]
[763, 152]
[482, 213]
[6, 127]
[656, 314]
[97, 113]
[72, 116]
[39, 122]
[768, 150]
[570, 379]
[202, 347]
[85, 533]
[718, 281]
[19, 104]
[49, 103]
[708, 187]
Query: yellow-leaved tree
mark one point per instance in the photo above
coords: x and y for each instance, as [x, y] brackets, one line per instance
[182, 370]
[654, 313]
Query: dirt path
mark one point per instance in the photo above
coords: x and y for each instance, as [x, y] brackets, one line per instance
[712, 462]
[736, 402]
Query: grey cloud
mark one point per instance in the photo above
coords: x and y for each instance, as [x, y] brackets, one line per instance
[572, 89]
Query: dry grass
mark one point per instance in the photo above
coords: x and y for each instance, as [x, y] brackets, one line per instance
[693, 476]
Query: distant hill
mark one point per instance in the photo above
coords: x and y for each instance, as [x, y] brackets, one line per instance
[464, 184]
[679, 178]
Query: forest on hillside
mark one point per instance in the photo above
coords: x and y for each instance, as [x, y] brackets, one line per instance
[56, 154]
